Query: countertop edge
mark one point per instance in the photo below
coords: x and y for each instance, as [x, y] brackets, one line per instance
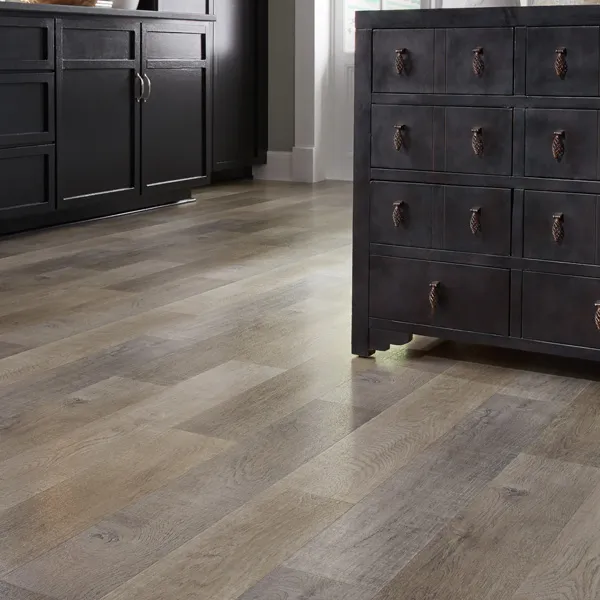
[15, 9]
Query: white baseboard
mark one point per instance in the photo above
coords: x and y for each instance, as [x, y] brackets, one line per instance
[278, 167]
[306, 165]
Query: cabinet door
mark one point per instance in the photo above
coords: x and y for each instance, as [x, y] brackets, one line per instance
[98, 115]
[175, 105]
[235, 84]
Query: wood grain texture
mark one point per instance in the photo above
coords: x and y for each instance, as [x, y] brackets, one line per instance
[382, 533]
[297, 585]
[569, 567]
[573, 436]
[236, 552]
[488, 550]
[10, 592]
[359, 463]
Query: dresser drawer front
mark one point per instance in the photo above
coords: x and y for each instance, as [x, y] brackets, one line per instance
[26, 44]
[401, 214]
[479, 140]
[477, 220]
[573, 133]
[403, 60]
[479, 61]
[464, 297]
[577, 51]
[561, 309]
[560, 227]
[402, 137]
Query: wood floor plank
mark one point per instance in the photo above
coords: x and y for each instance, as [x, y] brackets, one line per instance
[569, 568]
[543, 386]
[272, 400]
[146, 463]
[62, 352]
[10, 592]
[381, 534]
[150, 528]
[234, 554]
[358, 464]
[488, 550]
[574, 436]
[297, 585]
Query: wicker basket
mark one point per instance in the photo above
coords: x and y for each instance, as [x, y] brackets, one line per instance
[70, 2]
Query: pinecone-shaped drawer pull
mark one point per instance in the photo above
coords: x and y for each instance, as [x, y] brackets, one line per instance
[399, 132]
[558, 145]
[399, 214]
[597, 315]
[434, 295]
[475, 221]
[560, 63]
[478, 62]
[477, 141]
[558, 227]
[402, 61]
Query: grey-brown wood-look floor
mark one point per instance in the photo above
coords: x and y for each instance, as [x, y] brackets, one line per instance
[181, 418]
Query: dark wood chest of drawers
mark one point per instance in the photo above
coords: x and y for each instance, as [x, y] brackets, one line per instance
[477, 178]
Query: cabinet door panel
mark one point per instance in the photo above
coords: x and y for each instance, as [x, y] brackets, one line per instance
[27, 176]
[235, 106]
[26, 44]
[175, 105]
[98, 116]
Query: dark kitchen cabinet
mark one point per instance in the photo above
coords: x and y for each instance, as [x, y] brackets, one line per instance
[174, 104]
[98, 113]
[240, 79]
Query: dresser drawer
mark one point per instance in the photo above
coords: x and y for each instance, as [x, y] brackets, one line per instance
[403, 60]
[477, 220]
[561, 144]
[479, 61]
[562, 61]
[439, 294]
[560, 227]
[479, 140]
[402, 137]
[401, 214]
[561, 309]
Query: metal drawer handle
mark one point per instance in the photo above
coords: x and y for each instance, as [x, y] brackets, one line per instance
[398, 214]
[558, 229]
[560, 63]
[142, 87]
[477, 141]
[558, 145]
[478, 63]
[399, 137]
[149, 88]
[402, 61]
[475, 222]
[434, 295]
[597, 316]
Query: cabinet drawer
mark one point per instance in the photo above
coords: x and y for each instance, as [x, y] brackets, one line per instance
[440, 294]
[561, 309]
[562, 61]
[560, 227]
[26, 44]
[477, 220]
[26, 181]
[479, 61]
[401, 214]
[402, 137]
[403, 60]
[479, 140]
[27, 115]
[561, 144]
